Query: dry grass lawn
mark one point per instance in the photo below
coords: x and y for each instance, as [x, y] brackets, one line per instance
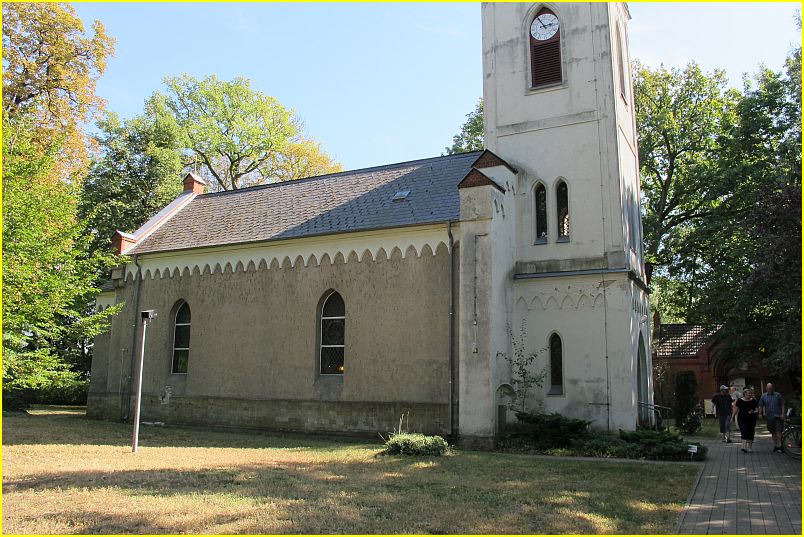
[63, 473]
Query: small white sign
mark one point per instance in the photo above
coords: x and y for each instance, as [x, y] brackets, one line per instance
[692, 448]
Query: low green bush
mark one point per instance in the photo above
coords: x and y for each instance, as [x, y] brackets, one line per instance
[415, 444]
[65, 392]
[551, 431]
[553, 434]
[650, 437]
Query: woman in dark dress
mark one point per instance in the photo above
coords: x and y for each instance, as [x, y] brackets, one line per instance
[746, 408]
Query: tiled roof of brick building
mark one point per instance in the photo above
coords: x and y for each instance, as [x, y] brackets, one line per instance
[357, 200]
[677, 340]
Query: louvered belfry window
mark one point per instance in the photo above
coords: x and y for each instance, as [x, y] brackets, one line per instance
[545, 58]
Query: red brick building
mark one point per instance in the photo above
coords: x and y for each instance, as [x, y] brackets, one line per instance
[696, 347]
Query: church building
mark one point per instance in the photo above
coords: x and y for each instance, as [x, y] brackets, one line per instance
[340, 303]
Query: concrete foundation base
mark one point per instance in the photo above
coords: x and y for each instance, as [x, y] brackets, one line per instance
[281, 415]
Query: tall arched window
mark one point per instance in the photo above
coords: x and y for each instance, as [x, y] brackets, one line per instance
[540, 200]
[181, 339]
[623, 67]
[633, 222]
[562, 205]
[333, 328]
[556, 366]
[545, 49]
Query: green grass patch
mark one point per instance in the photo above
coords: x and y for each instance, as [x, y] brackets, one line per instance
[63, 474]
[710, 428]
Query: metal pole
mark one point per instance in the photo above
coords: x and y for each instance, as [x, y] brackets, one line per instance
[136, 437]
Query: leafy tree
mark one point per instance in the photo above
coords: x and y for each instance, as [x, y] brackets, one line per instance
[751, 248]
[725, 225]
[681, 118]
[138, 174]
[49, 72]
[47, 276]
[240, 136]
[300, 158]
[472, 133]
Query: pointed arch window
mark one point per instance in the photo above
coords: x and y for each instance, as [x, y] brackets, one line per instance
[545, 49]
[556, 366]
[562, 205]
[181, 339]
[623, 67]
[333, 332]
[540, 200]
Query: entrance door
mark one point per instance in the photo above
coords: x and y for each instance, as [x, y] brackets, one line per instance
[645, 412]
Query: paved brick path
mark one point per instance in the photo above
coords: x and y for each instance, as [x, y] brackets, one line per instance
[745, 493]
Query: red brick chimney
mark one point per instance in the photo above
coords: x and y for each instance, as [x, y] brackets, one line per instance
[122, 241]
[657, 326]
[194, 184]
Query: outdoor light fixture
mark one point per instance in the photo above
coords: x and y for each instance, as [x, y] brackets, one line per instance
[146, 315]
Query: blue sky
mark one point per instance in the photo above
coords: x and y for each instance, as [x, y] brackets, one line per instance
[383, 83]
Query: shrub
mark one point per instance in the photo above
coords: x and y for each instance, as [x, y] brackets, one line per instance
[65, 392]
[662, 445]
[650, 437]
[17, 399]
[552, 430]
[688, 413]
[415, 444]
[692, 422]
[577, 440]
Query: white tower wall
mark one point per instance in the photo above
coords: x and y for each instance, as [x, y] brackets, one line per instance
[588, 288]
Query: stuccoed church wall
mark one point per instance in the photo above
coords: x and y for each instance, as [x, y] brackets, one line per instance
[254, 346]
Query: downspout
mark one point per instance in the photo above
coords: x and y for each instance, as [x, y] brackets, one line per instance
[451, 425]
[603, 174]
[134, 325]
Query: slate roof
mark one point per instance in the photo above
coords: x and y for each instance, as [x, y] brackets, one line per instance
[357, 200]
[679, 340]
[108, 285]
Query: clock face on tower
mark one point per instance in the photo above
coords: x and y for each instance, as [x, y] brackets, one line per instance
[544, 27]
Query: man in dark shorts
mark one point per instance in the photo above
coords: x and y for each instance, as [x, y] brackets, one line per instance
[771, 405]
[723, 409]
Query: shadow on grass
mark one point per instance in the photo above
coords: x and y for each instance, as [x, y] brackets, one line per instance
[319, 485]
[389, 495]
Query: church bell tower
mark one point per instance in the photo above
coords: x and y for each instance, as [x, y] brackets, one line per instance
[561, 249]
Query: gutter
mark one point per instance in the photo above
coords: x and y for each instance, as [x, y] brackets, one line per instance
[134, 325]
[450, 422]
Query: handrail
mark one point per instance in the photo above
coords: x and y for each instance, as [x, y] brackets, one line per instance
[658, 412]
[652, 405]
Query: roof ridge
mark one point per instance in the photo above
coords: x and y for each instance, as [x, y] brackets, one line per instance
[371, 169]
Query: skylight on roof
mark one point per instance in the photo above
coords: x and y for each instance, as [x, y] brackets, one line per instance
[401, 195]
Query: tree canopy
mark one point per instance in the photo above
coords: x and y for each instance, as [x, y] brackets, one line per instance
[50, 68]
[47, 274]
[138, 173]
[240, 136]
[472, 134]
[721, 176]
[682, 117]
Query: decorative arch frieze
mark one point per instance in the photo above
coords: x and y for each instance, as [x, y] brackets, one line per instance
[588, 296]
[360, 248]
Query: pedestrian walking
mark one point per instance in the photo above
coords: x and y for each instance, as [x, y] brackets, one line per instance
[735, 394]
[771, 405]
[723, 409]
[746, 409]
